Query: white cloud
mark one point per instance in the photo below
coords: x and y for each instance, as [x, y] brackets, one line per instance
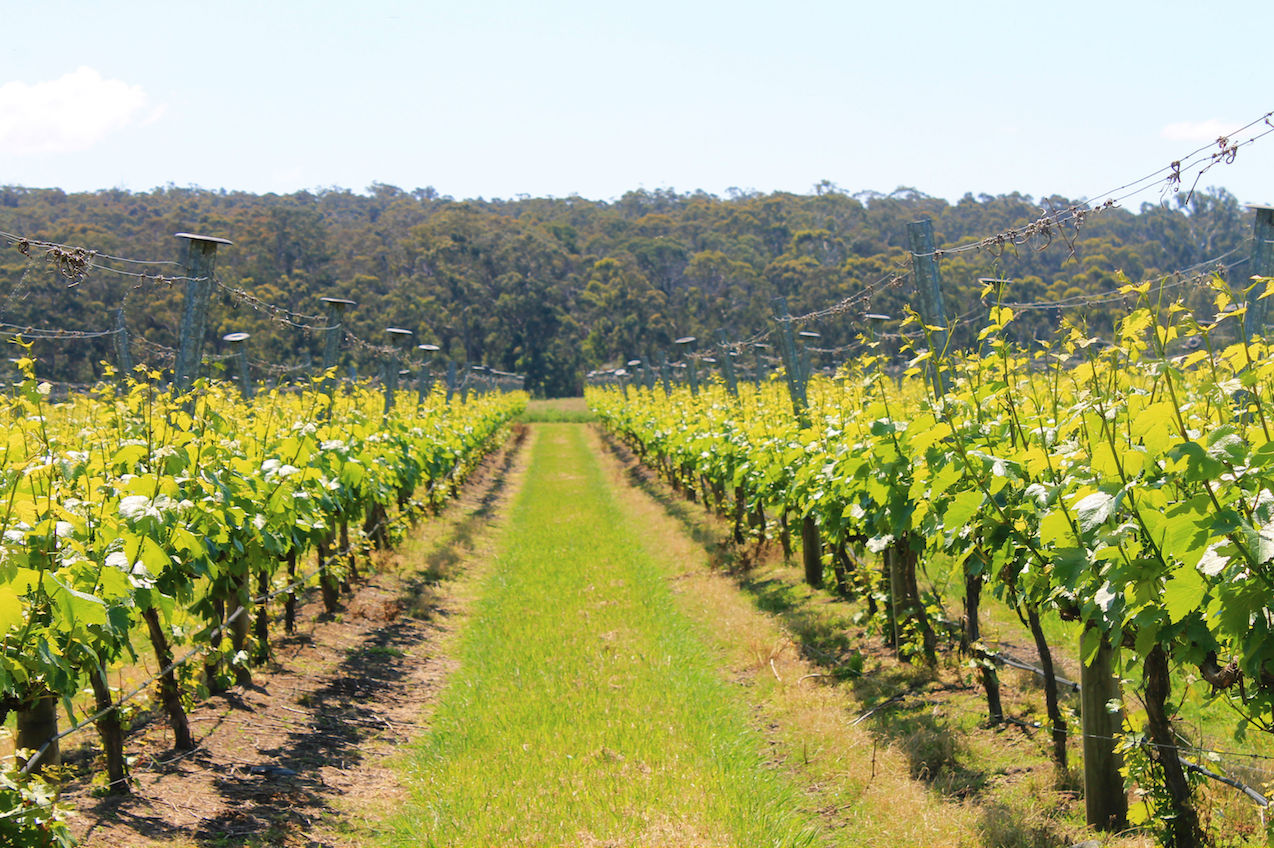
[68, 114]
[1209, 130]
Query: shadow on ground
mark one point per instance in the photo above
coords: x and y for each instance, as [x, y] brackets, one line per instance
[278, 803]
[898, 698]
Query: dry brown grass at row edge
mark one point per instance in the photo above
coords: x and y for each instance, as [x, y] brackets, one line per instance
[924, 770]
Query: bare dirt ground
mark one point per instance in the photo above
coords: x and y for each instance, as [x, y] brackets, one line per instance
[293, 758]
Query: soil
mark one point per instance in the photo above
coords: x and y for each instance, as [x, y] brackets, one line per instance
[293, 758]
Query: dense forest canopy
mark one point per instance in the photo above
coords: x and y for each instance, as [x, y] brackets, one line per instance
[553, 287]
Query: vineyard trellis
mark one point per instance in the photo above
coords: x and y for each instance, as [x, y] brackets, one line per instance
[978, 456]
[146, 513]
[1090, 487]
[1121, 484]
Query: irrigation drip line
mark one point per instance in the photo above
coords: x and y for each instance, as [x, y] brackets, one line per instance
[1229, 781]
[1144, 743]
[1075, 687]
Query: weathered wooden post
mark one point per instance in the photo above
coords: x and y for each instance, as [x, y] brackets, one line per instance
[426, 377]
[466, 382]
[924, 265]
[687, 342]
[123, 356]
[200, 260]
[791, 362]
[397, 335]
[36, 729]
[451, 379]
[803, 356]
[333, 334]
[634, 364]
[727, 364]
[811, 544]
[762, 366]
[240, 352]
[1105, 803]
[665, 373]
[1262, 265]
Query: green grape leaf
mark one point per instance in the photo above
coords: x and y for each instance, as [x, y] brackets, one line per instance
[962, 508]
[1183, 593]
[10, 609]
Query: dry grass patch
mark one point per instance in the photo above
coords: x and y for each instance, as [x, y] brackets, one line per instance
[859, 786]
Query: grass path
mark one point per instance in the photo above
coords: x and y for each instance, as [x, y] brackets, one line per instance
[587, 707]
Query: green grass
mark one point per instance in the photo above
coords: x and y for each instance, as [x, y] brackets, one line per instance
[587, 708]
[571, 410]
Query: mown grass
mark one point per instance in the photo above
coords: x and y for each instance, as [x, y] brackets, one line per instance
[572, 410]
[587, 708]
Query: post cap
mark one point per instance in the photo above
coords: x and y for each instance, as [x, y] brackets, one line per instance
[209, 239]
[633, 363]
[337, 301]
[235, 338]
[1257, 207]
[429, 347]
[398, 331]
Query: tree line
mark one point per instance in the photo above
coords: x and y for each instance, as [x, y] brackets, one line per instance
[554, 287]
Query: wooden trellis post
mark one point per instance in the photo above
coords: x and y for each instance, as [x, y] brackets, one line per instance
[811, 544]
[200, 261]
[123, 356]
[336, 307]
[924, 264]
[394, 363]
[238, 344]
[1262, 265]
[727, 364]
[426, 376]
[687, 342]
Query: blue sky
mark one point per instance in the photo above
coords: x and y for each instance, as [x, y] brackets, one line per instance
[494, 99]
